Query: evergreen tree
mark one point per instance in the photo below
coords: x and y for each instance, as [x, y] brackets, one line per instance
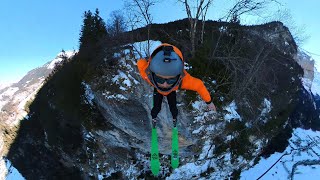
[99, 26]
[93, 31]
[86, 29]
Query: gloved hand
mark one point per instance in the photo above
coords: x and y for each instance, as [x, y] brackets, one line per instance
[212, 107]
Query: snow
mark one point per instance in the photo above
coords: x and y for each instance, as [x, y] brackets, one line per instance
[7, 95]
[197, 105]
[117, 96]
[267, 107]
[88, 93]
[197, 131]
[142, 47]
[108, 95]
[54, 62]
[207, 150]
[10, 91]
[123, 79]
[4, 85]
[304, 146]
[232, 113]
[307, 172]
[189, 171]
[68, 54]
[59, 58]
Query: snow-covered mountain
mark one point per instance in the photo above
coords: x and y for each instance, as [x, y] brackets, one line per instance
[14, 97]
[4, 85]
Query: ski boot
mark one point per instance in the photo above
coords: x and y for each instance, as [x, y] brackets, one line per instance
[154, 123]
[174, 121]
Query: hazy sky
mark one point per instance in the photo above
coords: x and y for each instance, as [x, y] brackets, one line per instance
[33, 32]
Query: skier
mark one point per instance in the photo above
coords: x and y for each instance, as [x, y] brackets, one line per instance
[165, 72]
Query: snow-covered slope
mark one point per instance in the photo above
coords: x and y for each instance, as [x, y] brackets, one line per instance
[300, 160]
[4, 85]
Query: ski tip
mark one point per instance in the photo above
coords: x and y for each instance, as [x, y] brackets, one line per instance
[174, 162]
[155, 171]
[174, 165]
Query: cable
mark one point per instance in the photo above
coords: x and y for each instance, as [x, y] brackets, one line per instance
[272, 166]
[309, 52]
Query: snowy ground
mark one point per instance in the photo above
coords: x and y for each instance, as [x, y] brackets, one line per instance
[300, 160]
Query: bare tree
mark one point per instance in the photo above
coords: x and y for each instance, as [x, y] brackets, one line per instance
[284, 16]
[116, 24]
[203, 18]
[195, 10]
[140, 15]
[246, 6]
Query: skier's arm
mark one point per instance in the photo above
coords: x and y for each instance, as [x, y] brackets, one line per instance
[142, 65]
[195, 84]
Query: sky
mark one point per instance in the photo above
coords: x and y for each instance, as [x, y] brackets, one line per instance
[33, 32]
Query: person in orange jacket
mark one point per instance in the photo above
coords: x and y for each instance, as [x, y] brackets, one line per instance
[165, 72]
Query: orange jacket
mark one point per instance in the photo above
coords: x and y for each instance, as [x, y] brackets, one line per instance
[188, 82]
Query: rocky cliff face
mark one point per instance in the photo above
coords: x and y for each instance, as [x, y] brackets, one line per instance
[277, 34]
[308, 67]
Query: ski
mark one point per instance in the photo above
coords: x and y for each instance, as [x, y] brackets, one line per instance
[155, 163]
[175, 148]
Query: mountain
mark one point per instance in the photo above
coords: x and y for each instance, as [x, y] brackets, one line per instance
[4, 85]
[91, 118]
[15, 98]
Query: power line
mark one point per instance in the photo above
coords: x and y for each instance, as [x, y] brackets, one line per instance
[309, 52]
[272, 166]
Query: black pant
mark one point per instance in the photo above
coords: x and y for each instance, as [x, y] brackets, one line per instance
[157, 101]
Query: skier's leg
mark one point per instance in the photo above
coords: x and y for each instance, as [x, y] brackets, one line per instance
[157, 101]
[172, 101]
